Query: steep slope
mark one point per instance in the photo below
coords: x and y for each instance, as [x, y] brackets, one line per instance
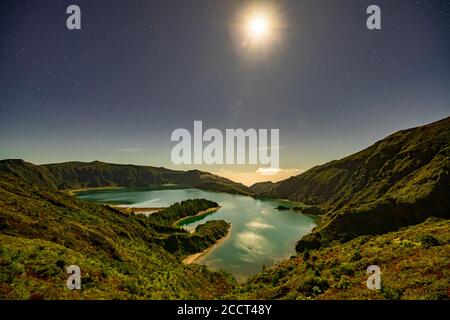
[42, 231]
[399, 181]
[414, 263]
[28, 172]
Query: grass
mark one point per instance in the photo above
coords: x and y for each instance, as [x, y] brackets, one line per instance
[121, 256]
[415, 264]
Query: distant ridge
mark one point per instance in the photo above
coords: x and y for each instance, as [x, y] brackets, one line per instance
[74, 175]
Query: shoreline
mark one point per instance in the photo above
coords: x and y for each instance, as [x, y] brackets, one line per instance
[72, 192]
[146, 211]
[197, 215]
[191, 259]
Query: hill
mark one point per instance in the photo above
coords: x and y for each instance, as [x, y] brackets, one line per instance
[399, 181]
[414, 263]
[262, 187]
[76, 175]
[42, 231]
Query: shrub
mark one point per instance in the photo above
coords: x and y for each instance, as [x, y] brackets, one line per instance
[275, 279]
[60, 263]
[391, 293]
[312, 286]
[306, 254]
[344, 283]
[356, 256]
[47, 271]
[344, 269]
[428, 241]
[131, 287]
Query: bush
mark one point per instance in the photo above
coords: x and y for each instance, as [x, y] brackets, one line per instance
[391, 293]
[344, 283]
[275, 279]
[47, 271]
[356, 256]
[428, 241]
[60, 263]
[344, 269]
[306, 254]
[312, 286]
[131, 287]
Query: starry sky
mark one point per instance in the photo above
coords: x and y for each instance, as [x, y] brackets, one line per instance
[137, 70]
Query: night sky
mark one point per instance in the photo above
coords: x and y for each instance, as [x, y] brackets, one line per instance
[115, 90]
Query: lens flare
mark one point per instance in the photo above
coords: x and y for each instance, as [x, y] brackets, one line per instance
[258, 27]
[257, 30]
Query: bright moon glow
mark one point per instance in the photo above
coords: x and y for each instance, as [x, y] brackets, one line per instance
[259, 27]
[258, 30]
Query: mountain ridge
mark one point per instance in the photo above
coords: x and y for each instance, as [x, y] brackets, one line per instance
[76, 174]
[400, 180]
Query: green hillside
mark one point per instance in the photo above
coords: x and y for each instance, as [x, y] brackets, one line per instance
[399, 181]
[414, 263]
[122, 256]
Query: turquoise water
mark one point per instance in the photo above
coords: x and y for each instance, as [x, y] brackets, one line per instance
[260, 235]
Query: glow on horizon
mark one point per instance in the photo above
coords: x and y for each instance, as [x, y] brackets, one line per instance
[249, 178]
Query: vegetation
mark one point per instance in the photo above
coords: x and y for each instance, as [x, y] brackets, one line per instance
[204, 236]
[181, 210]
[415, 264]
[399, 181]
[42, 231]
[76, 175]
[375, 206]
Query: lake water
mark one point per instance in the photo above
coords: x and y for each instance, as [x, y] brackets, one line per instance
[260, 235]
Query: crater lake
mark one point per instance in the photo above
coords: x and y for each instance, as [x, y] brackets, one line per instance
[260, 234]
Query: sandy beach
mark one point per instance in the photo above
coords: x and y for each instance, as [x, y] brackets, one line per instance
[72, 192]
[194, 257]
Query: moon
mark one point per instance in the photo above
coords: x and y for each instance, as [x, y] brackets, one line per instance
[258, 27]
[257, 30]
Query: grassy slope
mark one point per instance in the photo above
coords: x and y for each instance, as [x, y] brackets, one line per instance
[415, 264]
[43, 231]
